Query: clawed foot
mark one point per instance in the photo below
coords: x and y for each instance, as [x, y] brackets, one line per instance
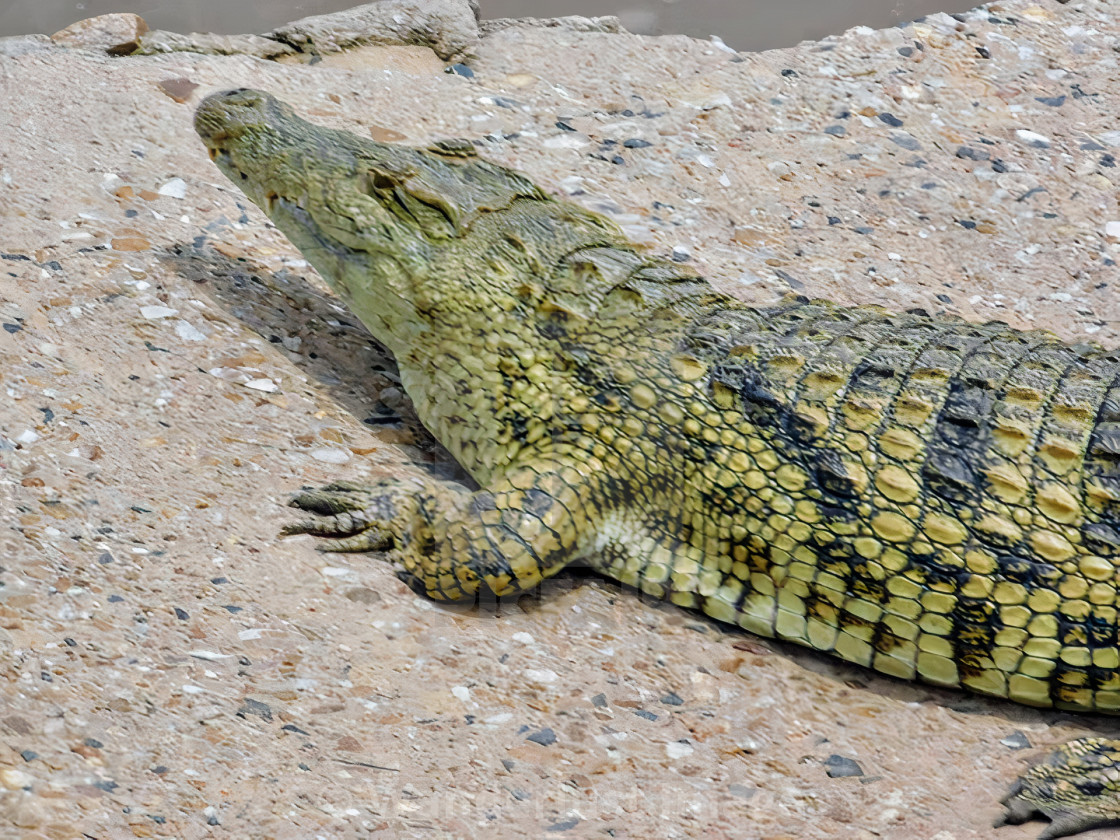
[404, 521]
[1077, 787]
[350, 517]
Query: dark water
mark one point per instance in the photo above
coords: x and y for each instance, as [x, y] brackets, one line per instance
[743, 24]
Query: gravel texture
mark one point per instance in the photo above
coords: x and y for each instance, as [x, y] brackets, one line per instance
[172, 370]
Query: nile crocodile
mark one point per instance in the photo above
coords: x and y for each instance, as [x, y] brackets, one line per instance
[935, 499]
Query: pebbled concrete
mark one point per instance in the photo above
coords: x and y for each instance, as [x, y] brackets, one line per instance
[172, 370]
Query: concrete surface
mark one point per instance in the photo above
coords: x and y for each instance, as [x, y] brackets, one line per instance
[172, 370]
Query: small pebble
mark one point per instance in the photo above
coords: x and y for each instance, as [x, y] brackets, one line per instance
[178, 89]
[14, 779]
[1032, 138]
[838, 766]
[175, 188]
[742, 791]
[972, 154]
[545, 737]
[188, 332]
[255, 707]
[564, 825]
[541, 675]
[209, 655]
[679, 749]
[1017, 740]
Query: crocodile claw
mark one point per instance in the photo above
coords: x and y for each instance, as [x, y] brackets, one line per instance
[1077, 787]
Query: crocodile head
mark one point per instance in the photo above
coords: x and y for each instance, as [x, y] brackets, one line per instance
[372, 218]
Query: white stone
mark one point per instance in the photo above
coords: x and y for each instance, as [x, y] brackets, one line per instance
[330, 455]
[1032, 138]
[544, 675]
[567, 140]
[188, 332]
[175, 188]
[154, 313]
[679, 749]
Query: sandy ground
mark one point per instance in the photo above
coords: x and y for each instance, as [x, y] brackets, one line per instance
[172, 370]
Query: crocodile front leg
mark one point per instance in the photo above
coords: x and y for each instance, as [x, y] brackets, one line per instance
[448, 542]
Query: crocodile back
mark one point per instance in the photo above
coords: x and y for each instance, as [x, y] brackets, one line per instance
[946, 494]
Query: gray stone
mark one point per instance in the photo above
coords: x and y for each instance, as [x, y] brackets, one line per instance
[116, 34]
[207, 43]
[15, 45]
[574, 23]
[449, 27]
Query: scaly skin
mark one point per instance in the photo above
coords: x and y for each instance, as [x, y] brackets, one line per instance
[934, 499]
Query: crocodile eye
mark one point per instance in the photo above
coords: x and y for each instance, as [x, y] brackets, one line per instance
[381, 181]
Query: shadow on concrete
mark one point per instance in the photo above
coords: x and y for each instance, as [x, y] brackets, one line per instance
[321, 337]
